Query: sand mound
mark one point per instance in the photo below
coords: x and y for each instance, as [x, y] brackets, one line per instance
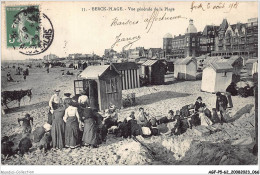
[133, 153]
[205, 153]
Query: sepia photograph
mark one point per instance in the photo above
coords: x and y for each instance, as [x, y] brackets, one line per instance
[129, 83]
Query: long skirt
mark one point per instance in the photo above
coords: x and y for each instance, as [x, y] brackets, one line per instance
[57, 133]
[72, 132]
[90, 132]
[50, 115]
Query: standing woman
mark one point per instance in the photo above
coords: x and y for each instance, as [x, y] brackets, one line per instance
[83, 99]
[90, 128]
[71, 118]
[58, 128]
[66, 100]
[53, 104]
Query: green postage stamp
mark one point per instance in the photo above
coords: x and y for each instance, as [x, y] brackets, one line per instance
[23, 26]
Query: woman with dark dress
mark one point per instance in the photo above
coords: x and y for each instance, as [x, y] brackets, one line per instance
[90, 137]
[72, 120]
[58, 128]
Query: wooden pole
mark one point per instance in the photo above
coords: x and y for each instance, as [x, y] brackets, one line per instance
[255, 149]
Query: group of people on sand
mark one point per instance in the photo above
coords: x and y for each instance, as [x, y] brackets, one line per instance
[73, 123]
[188, 116]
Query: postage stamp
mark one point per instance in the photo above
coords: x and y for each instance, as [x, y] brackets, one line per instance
[23, 26]
[28, 30]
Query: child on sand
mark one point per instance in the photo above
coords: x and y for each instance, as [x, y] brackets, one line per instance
[27, 123]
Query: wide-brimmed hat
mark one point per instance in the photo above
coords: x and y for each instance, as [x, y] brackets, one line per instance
[67, 94]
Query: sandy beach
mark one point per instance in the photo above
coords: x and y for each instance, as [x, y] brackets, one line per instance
[231, 145]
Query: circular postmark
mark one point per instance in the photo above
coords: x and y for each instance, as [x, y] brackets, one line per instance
[28, 31]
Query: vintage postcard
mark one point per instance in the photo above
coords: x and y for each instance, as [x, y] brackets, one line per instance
[130, 83]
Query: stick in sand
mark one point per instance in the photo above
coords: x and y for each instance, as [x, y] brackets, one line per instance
[135, 139]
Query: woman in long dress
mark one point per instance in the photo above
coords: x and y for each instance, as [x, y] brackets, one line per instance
[58, 128]
[90, 137]
[72, 120]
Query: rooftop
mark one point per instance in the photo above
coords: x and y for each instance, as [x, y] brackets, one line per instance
[93, 72]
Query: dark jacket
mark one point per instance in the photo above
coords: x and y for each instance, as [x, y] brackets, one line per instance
[181, 126]
[232, 90]
[221, 102]
[135, 128]
[197, 105]
[24, 145]
[6, 148]
[38, 133]
[185, 111]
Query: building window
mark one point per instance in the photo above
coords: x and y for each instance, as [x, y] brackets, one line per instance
[111, 85]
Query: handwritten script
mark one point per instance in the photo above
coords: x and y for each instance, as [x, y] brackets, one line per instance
[156, 17]
[129, 40]
[203, 6]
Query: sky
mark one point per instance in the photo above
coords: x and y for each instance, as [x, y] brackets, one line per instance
[89, 31]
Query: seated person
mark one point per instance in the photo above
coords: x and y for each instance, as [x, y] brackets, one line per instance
[181, 126]
[205, 121]
[198, 104]
[169, 118]
[195, 120]
[206, 111]
[215, 118]
[39, 132]
[111, 116]
[177, 115]
[142, 117]
[25, 144]
[45, 142]
[6, 146]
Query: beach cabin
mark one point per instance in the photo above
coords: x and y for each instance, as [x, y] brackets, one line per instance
[129, 74]
[255, 68]
[154, 71]
[237, 63]
[103, 84]
[216, 77]
[185, 69]
[249, 65]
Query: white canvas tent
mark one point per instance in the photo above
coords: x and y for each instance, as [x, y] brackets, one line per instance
[216, 77]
